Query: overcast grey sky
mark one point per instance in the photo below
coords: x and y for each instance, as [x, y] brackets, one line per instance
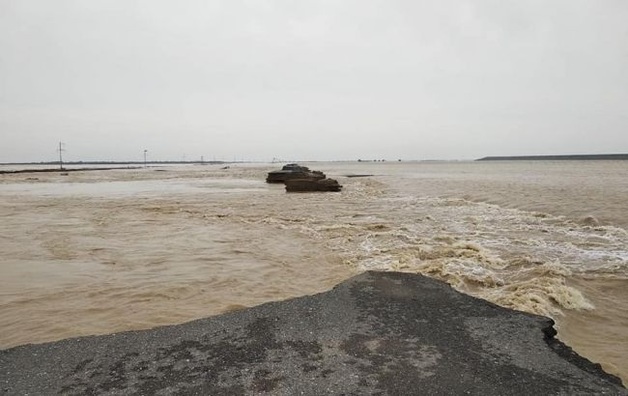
[316, 80]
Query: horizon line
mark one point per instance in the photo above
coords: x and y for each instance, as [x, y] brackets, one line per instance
[275, 160]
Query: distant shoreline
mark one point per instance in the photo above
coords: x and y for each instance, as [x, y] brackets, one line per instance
[578, 157]
[56, 163]
[111, 165]
[48, 170]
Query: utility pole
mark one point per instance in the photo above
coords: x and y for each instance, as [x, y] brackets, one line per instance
[145, 151]
[61, 150]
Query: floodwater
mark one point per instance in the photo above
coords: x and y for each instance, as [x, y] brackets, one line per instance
[106, 251]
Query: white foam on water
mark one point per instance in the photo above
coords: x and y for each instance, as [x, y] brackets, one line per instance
[512, 257]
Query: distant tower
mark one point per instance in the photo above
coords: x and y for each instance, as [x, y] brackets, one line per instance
[61, 150]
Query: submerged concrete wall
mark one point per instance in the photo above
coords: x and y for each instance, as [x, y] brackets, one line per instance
[377, 333]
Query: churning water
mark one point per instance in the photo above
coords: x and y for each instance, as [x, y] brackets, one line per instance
[106, 251]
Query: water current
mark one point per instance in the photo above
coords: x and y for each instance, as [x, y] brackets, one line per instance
[112, 250]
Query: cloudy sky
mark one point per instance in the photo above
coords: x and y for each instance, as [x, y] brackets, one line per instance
[317, 80]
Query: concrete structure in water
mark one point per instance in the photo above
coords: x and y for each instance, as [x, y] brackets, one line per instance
[308, 185]
[293, 171]
[381, 333]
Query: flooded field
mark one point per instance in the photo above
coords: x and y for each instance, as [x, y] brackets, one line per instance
[106, 251]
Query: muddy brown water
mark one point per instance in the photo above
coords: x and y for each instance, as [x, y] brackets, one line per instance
[106, 251]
